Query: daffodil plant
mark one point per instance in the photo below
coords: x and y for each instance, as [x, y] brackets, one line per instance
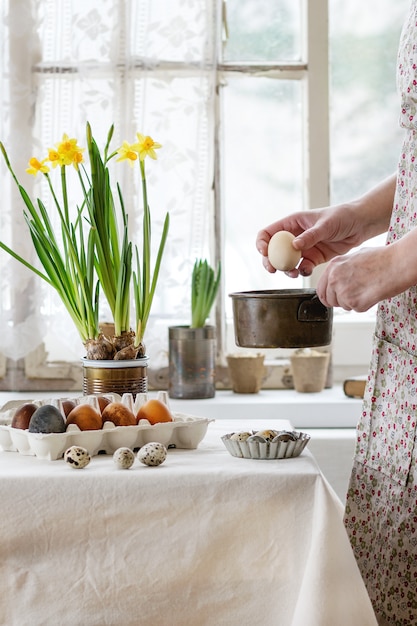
[94, 254]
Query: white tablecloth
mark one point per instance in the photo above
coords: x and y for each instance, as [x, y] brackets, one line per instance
[204, 539]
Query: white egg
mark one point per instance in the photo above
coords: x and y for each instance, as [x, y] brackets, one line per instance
[281, 253]
[124, 458]
[77, 457]
[152, 453]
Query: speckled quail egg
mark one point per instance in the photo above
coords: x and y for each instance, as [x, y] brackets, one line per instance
[77, 457]
[267, 434]
[243, 436]
[124, 458]
[153, 453]
[286, 436]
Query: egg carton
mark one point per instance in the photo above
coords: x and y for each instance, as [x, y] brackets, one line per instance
[185, 431]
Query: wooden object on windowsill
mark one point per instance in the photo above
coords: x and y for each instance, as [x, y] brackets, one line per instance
[354, 387]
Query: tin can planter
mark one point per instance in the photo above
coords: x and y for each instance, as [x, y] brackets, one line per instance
[192, 357]
[101, 376]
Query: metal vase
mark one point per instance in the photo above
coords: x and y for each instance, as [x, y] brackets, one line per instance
[115, 376]
[192, 357]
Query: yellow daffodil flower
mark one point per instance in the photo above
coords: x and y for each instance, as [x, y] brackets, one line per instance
[54, 158]
[67, 152]
[37, 166]
[127, 153]
[78, 158]
[146, 146]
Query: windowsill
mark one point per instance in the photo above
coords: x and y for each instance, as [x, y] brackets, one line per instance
[327, 409]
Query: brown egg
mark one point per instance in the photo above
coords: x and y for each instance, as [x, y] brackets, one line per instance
[67, 406]
[85, 417]
[22, 416]
[119, 414]
[103, 402]
[154, 411]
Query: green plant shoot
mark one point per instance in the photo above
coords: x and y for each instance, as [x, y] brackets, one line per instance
[204, 286]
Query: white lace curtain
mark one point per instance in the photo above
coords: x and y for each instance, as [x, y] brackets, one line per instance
[144, 65]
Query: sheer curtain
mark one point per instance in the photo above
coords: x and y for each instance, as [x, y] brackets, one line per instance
[144, 65]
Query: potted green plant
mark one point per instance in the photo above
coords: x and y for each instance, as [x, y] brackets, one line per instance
[91, 256]
[192, 349]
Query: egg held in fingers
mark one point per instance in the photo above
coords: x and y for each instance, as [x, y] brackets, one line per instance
[281, 253]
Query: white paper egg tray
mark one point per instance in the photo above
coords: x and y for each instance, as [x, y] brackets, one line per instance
[186, 431]
[257, 447]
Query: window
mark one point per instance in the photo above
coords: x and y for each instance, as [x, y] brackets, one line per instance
[325, 146]
[262, 107]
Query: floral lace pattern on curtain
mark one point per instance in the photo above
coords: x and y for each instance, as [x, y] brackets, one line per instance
[144, 65]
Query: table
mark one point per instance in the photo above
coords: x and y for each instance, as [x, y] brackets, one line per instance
[205, 539]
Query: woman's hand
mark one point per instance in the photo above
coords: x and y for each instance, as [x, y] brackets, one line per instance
[321, 234]
[358, 281]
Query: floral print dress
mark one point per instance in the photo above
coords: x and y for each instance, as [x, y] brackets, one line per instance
[381, 507]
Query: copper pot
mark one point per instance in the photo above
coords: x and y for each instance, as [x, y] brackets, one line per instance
[282, 318]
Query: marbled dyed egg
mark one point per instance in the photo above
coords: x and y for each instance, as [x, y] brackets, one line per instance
[152, 454]
[47, 419]
[124, 458]
[77, 457]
